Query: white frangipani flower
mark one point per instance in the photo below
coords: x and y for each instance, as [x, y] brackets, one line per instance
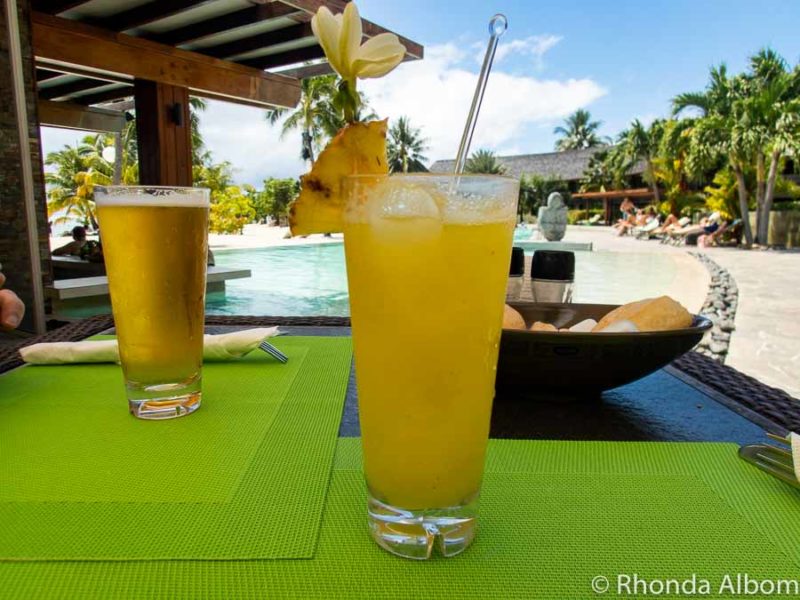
[340, 38]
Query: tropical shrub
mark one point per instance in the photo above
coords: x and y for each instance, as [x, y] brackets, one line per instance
[575, 215]
[534, 190]
[230, 210]
[484, 161]
[722, 196]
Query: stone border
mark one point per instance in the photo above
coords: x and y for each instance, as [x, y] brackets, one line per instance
[720, 308]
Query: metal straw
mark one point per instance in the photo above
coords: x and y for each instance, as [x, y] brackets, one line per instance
[497, 27]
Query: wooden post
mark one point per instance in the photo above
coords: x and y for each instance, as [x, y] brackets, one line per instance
[163, 133]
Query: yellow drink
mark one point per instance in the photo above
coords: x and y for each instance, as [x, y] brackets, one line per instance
[155, 258]
[426, 300]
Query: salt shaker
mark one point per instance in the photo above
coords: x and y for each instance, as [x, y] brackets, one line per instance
[515, 274]
[552, 276]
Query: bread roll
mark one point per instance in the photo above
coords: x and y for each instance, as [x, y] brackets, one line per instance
[652, 314]
[512, 319]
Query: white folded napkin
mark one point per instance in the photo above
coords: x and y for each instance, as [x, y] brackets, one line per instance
[794, 440]
[215, 347]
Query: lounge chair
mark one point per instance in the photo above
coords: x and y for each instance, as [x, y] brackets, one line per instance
[728, 234]
[595, 220]
[647, 231]
[688, 235]
[667, 234]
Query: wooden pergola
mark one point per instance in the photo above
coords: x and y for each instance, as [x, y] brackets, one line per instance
[70, 62]
[609, 199]
[93, 52]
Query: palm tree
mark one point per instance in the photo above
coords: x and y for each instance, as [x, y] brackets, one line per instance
[406, 147]
[769, 120]
[642, 143]
[713, 134]
[484, 161]
[196, 106]
[579, 131]
[753, 120]
[606, 170]
[71, 185]
[315, 115]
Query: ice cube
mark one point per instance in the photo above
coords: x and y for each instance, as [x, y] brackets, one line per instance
[399, 200]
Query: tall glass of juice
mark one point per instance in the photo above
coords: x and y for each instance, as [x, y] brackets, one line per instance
[155, 246]
[427, 266]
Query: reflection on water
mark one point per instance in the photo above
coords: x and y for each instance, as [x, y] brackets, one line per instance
[293, 280]
[619, 278]
[311, 280]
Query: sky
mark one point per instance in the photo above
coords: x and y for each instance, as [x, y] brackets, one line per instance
[619, 59]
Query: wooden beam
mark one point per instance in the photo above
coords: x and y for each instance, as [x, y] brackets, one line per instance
[68, 42]
[314, 70]
[306, 71]
[369, 28]
[120, 106]
[152, 11]
[261, 40]
[104, 96]
[163, 134]
[64, 90]
[228, 22]
[54, 7]
[45, 74]
[631, 193]
[82, 72]
[75, 116]
[281, 59]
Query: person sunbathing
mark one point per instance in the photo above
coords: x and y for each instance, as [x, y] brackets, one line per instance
[628, 209]
[74, 247]
[651, 224]
[707, 225]
[640, 219]
[670, 224]
[708, 239]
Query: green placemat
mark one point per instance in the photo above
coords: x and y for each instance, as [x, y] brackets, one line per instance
[245, 476]
[554, 516]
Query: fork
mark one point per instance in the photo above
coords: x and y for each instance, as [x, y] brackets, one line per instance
[775, 460]
[273, 352]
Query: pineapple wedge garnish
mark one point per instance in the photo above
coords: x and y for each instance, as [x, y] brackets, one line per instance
[358, 149]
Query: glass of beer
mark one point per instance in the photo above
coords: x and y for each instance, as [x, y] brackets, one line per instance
[155, 246]
[427, 267]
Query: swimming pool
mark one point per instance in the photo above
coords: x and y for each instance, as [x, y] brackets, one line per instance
[289, 280]
[312, 280]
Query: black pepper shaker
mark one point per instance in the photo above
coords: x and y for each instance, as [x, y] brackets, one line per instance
[516, 273]
[552, 276]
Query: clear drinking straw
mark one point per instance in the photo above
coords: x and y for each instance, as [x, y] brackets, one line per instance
[497, 27]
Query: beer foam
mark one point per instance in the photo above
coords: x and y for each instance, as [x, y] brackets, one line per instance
[153, 196]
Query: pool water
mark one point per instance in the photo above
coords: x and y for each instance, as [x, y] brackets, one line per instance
[312, 280]
[290, 280]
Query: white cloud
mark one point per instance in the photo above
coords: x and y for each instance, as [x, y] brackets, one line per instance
[232, 132]
[535, 46]
[435, 94]
[517, 113]
[241, 135]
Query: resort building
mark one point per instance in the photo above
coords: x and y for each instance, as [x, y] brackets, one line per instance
[568, 166]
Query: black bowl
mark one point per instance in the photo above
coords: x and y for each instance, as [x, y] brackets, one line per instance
[567, 366]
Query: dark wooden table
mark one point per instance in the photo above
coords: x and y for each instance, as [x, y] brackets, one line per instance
[691, 400]
[665, 406]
